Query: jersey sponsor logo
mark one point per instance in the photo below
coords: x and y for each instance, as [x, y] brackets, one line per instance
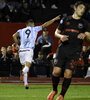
[80, 25]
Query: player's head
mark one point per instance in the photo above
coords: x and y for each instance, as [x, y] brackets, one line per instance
[45, 32]
[30, 22]
[40, 55]
[25, 5]
[79, 8]
[9, 49]
[3, 50]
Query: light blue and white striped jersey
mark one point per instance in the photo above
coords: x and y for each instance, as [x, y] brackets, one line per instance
[28, 36]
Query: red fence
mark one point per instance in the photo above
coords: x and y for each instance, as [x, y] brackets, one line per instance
[8, 29]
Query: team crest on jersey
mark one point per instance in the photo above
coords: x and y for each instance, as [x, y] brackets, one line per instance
[80, 25]
[55, 61]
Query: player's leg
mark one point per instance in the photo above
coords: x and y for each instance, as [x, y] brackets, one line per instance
[59, 62]
[25, 73]
[58, 65]
[22, 61]
[66, 83]
[55, 80]
[28, 61]
[56, 77]
[21, 74]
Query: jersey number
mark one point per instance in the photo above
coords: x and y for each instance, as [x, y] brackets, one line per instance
[27, 32]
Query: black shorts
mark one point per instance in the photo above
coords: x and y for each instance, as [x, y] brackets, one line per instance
[66, 58]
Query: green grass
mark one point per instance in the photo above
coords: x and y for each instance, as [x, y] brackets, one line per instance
[40, 92]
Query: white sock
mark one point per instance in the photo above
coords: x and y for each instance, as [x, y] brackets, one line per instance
[25, 70]
[25, 79]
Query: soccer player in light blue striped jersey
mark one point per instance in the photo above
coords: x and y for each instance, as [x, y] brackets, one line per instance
[28, 36]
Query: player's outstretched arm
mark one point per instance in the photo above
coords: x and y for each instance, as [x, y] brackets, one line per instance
[50, 22]
[15, 35]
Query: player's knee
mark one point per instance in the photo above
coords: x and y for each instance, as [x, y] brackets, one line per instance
[56, 73]
[68, 75]
[27, 64]
[25, 69]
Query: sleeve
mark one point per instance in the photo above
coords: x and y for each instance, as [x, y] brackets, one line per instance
[62, 24]
[19, 30]
[38, 28]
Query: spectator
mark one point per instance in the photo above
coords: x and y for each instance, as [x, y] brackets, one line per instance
[4, 11]
[41, 65]
[14, 14]
[4, 63]
[85, 55]
[9, 52]
[50, 4]
[14, 6]
[35, 4]
[15, 65]
[15, 48]
[88, 71]
[25, 12]
[45, 42]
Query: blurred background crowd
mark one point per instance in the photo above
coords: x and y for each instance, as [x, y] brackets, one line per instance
[42, 65]
[22, 10]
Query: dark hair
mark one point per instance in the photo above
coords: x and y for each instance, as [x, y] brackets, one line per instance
[40, 53]
[45, 29]
[79, 3]
[29, 21]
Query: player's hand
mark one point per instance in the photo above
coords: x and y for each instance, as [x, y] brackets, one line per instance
[64, 38]
[81, 36]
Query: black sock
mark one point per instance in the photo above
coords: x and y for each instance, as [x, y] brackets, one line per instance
[65, 85]
[55, 81]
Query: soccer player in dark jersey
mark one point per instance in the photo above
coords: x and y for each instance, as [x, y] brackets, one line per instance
[75, 29]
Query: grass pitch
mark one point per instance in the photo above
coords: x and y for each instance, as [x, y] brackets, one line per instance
[40, 92]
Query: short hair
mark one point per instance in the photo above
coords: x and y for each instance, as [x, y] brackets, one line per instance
[40, 53]
[79, 3]
[29, 21]
[45, 29]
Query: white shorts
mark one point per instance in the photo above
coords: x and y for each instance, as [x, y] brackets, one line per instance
[25, 55]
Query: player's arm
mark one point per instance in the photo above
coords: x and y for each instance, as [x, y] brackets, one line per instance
[86, 34]
[60, 36]
[15, 35]
[50, 22]
[87, 37]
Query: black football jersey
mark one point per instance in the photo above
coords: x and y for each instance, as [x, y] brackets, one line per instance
[72, 27]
